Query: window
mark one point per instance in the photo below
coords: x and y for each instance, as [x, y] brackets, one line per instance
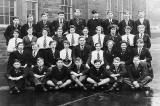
[67, 8]
[7, 11]
[32, 8]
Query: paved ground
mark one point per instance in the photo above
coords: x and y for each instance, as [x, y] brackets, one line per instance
[81, 98]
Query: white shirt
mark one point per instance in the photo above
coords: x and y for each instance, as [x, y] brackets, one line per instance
[141, 20]
[94, 56]
[63, 54]
[76, 38]
[131, 39]
[95, 39]
[30, 37]
[40, 41]
[11, 45]
[141, 35]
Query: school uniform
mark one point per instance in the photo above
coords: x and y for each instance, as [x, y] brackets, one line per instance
[52, 57]
[97, 74]
[73, 39]
[92, 24]
[81, 69]
[144, 22]
[20, 84]
[8, 34]
[60, 41]
[109, 55]
[125, 23]
[43, 42]
[59, 23]
[40, 26]
[98, 39]
[57, 74]
[25, 28]
[96, 55]
[83, 52]
[66, 55]
[13, 43]
[126, 56]
[89, 40]
[139, 73]
[129, 39]
[40, 71]
[145, 38]
[106, 23]
[79, 23]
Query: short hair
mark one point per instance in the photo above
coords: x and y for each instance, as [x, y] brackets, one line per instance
[113, 26]
[77, 10]
[16, 30]
[85, 28]
[59, 59]
[81, 37]
[140, 11]
[139, 26]
[136, 56]
[96, 61]
[34, 43]
[117, 59]
[59, 28]
[61, 12]
[16, 60]
[94, 12]
[19, 44]
[78, 59]
[140, 41]
[15, 18]
[124, 42]
[46, 29]
[72, 26]
[40, 58]
[110, 41]
[29, 15]
[97, 44]
[66, 42]
[99, 27]
[128, 27]
[44, 13]
[52, 42]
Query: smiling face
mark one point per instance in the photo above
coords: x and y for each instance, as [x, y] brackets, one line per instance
[116, 63]
[15, 34]
[97, 65]
[98, 46]
[40, 62]
[17, 65]
[61, 16]
[59, 63]
[82, 41]
[141, 14]
[123, 46]
[136, 60]
[16, 21]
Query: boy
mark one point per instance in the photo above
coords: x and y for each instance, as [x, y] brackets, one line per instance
[97, 75]
[66, 54]
[59, 76]
[72, 37]
[39, 73]
[78, 73]
[16, 77]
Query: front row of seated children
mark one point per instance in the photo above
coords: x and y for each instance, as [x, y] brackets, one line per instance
[136, 75]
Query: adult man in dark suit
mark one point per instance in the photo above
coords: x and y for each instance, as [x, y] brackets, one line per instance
[29, 24]
[109, 21]
[126, 22]
[60, 22]
[82, 50]
[43, 24]
[78, 22]
[142, 21]
[93, 23]
[8, 34]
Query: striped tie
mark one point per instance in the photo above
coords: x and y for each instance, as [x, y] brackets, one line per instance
[45, 42]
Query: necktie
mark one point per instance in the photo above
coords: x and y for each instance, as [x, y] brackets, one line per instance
[99, 39]
[67, 56]
[98, 56]
[78, 68]
[72, 40]
[82, 47]
[128, 40]
[141, 37]
[34, 54]
[21, 52]
[16, 42]
[45, 42]
[139, 52]
[77, 20]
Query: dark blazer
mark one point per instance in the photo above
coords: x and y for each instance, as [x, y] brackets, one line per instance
[25, 27]
[138, 74]
[146, 23]
[79, 26]
[146, 39]
[122, 26]
[83, 69]
[117, 40]
[59, 75]
[96, 75]
[121, 70]
[8, 34]
[16, 55]
[27, 43]
[89, 41]
[83, 54]
[52, 57]
[60, 41]
[40, 26]
[38, 71]
[126, 56]
[110, 55]
[106, 24]
[55, 24]
[15, 72]
[145, 54]
[92, 24]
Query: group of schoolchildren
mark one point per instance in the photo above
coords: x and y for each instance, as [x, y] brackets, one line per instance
[100, 54]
